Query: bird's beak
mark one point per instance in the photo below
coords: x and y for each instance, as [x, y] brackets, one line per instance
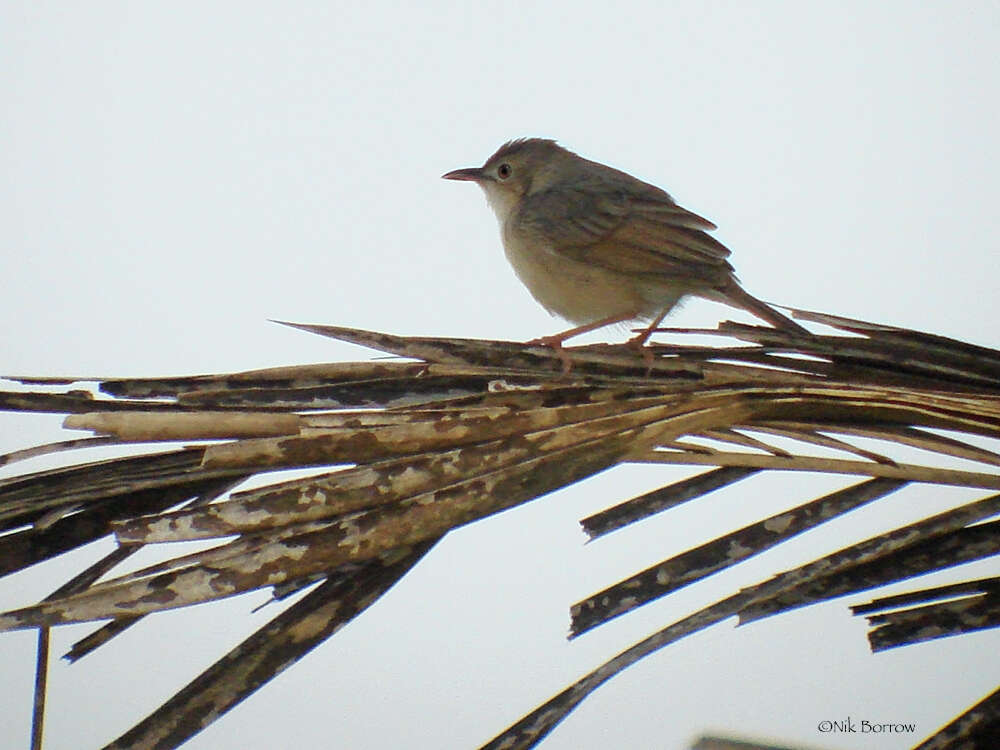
[472, 174]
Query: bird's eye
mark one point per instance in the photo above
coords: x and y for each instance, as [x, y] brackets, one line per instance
[503, 171]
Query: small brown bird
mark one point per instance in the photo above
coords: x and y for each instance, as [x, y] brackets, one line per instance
[597, 246]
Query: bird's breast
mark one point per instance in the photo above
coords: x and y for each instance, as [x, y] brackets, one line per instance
[581, 292]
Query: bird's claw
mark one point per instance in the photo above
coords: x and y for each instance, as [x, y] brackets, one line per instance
[638, 345]
[555, 343]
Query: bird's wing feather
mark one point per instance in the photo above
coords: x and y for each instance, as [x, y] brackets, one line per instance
[632, 236]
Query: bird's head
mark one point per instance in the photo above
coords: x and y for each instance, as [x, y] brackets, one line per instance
[517, 169]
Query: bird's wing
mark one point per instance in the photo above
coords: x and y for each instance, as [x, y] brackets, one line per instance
[640, 236]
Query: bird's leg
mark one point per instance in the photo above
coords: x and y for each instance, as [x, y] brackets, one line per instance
[555, 341]
[638, 342]
[640, 339]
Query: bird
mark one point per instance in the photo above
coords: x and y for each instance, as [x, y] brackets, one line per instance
[597, 246]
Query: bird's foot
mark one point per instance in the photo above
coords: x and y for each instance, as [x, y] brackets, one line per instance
[556, 344]
[638, 345]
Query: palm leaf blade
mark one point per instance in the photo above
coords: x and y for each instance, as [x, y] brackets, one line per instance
[406, 451]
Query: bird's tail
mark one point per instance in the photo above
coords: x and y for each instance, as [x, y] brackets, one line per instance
[737, 296]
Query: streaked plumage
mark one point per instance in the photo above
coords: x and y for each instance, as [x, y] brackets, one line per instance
[595, 245]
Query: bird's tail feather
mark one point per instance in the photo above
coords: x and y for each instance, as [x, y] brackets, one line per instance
[737, 296]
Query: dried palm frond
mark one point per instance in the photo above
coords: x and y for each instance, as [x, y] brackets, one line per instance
[413, 449]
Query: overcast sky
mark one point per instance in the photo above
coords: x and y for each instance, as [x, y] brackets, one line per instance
[175, 174]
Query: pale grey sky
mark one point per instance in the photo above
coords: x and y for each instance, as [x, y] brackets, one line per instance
[174, 174]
